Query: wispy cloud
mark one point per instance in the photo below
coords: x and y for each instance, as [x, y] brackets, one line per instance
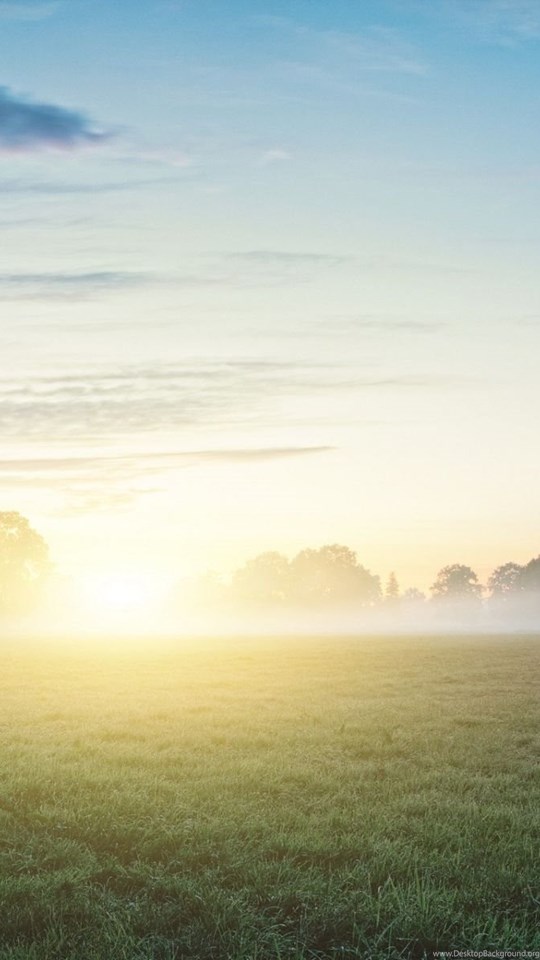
[27, 125]
[505, 19]
[233, 270]
[21, 10]
[289, 257]
[111, 482]
[377, 49]
[276, 155]
[60, 286]
[168, 458]
[378, 325]
[52, 188]
[248, 268]
[177, 159]
[134, 400]
[503, 22]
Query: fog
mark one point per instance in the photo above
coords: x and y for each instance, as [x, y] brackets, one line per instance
[66, 623]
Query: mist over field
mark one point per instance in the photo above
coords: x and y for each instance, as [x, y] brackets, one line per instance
[323, 591]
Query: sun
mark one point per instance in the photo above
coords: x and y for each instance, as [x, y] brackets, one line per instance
[119, 591]
[120, 598]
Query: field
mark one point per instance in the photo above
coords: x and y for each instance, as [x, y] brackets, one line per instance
[270, 799]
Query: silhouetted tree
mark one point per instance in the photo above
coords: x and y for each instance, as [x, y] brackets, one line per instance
[24, 563]
[332, 574]
[529, 577]
[505, 581]
[392, 588]
[456, 582]
[412, 595]
[263, 580]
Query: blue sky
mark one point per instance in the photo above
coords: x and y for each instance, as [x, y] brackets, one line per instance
[269, 279]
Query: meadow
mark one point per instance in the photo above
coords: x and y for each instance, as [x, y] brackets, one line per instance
[270, 799]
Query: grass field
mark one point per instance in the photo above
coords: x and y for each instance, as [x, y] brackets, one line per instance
[262, 800]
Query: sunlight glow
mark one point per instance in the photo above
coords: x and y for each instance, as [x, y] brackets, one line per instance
[117, 597]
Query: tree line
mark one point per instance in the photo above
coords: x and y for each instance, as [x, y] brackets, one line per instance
[330, 575]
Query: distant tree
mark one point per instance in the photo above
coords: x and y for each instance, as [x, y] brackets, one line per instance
[412, 595]
[529, 577]
[391, 591]
[263, 580]
[505, 581]
[456, 582]
[24, 564]
[332, 574]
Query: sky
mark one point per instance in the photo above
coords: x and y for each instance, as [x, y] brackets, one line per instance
[269, 280]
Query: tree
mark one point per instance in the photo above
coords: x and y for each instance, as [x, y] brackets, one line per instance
[505, 581]
[263, 580]
[529, 578]
[24, 564]
[456, 582]
[332, 574]
[413, 595]
[392, 588]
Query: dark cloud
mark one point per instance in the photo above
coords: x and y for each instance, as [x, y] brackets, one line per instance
[26, 125]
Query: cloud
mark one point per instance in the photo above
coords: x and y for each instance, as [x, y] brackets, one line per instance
[246, 268]
[51, 188]
[174, 458]
[503, 22]
[112, 482]
[20, 10]
[177, 159]
[74, 420]
[27, 126]
[348, 325]
[276, 155]
[290, 258]
[238, 270]
[61, 286]
[376, 49]
[533, 320]
[512, 19]
[251, 268]
[131, 401]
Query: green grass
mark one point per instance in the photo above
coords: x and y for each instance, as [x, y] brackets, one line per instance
[263, 800]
